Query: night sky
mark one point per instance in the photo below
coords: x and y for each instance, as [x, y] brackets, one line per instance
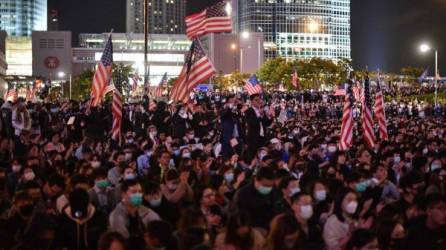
[385, 33]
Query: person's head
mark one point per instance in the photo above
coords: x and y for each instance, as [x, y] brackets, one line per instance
[302, 206]
[239, 231]
[112, 241]
[79, 201]
[152, 193]
[55, 186]
[131, 193]
[289, 186]
[284, 233]
[364, 157]
[412, 184]
[55, 139]
[319, 191]
[100, 178]
[192, 217]
[436, 210]
[27, 173]
[172, 179]
[129, 173]
[164, 159]
[264, 180]
[363, 239]
[205, 196]
[381, 173]
[346, 204]
[159, 234]
[23, 204]
[34, 189]
[256, 101]
[390, 234]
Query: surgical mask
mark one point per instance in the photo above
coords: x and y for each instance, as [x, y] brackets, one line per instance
[229, 177]
[130, 176]
[351, 207]
[278, 147]
[176, 152]
[396, 159]
[130, 141]
[425, 151]
[435, 167]
[155, 202]
[294, 191]
[95, 164]
[185, 155]
[320, 195]
[171, 186]
[306, 212]
[128, 156]
[16, 168]
[190, 136]
[262, 155]
[136, 199]
[264, 190]
[153, 133]
[361, 187]
[29, 176]
[331, 149]
[102, 184]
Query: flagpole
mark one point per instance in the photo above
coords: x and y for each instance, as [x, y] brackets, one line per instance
[436, 77]
[146, 40]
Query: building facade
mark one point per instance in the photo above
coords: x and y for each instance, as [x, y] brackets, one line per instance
[52, 56]
[235, 52]
[165, 16]
[21, 17]
[298, 29]
[166, 53]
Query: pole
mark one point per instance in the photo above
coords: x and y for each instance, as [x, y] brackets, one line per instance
[241, 60]
[436, 77]
[146, 40]
[70, 86]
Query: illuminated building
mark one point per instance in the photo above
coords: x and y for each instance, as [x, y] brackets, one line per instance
[21, 17]
[165, 16]
[297, 29]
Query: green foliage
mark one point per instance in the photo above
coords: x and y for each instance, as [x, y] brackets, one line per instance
[81, 86]
[312, 72]
[226, 82]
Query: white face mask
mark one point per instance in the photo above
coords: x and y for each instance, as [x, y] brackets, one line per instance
[128, 156]
[185, 155]
[331, 149]
[306, 212]
[129, 176]
[95, 164]
[320, 195]
[294, 191]
[29, 176]
[351, 207]
[16, 168]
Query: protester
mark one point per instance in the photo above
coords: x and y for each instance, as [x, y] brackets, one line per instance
[224, 171]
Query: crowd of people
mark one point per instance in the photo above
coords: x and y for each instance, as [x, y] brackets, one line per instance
[226, 172]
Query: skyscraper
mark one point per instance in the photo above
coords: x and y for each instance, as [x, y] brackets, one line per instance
[165, 16]
[21, 17]
[297, 29]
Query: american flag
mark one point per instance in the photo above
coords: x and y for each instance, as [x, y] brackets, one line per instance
[103, 74]
[339, 91]
[213, 19]
[367, 116]
[197, 68]
[346, 139]
[295, 79]
[117, 110]
[29, 94]
[380, 113]
[423, 75]
[11, 95]
[162, 86]
[135, 80]
[357, 92]
[252, 86]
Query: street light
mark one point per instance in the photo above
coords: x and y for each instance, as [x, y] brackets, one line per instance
[62, 74]
[245, 34]
[424, 48]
